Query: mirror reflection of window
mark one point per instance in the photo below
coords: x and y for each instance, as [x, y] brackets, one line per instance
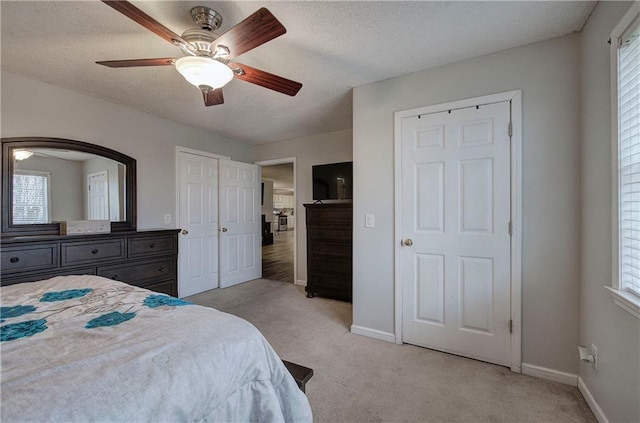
[31, 197]
[68, 186]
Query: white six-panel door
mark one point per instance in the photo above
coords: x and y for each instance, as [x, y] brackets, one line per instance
[98, 187]
[240, 224]
[198, 219]
[456, 211]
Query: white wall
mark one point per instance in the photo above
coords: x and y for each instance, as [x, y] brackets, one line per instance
[326, 148]
[548, 75]
[33, 108]
[616, 384]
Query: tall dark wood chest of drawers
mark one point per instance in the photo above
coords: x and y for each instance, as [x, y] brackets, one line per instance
[329, 255]
[148, 259]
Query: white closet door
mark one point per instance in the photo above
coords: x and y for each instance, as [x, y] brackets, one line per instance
[240, 225]
[198, 200]
[456, 212]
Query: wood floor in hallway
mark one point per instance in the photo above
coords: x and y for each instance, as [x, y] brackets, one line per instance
[277, 258]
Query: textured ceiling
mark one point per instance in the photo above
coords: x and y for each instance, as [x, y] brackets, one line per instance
[330, 47]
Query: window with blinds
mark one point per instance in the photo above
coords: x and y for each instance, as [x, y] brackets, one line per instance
[30, 197]
[629, 158]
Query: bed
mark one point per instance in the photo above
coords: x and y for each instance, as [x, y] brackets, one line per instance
[85, 348]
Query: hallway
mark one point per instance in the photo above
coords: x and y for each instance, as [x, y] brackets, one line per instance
[277, 258]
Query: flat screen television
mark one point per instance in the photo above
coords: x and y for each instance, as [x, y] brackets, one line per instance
[333, 181]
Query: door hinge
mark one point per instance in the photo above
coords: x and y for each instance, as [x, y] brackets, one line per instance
[510, 129]
[510, 326]
[510, 228]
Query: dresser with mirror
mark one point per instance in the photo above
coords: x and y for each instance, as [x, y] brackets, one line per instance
[46, 181]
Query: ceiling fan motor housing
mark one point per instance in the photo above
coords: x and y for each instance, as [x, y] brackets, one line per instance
[201, 40]
[206, 18]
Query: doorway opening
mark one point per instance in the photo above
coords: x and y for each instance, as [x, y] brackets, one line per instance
[279, 214]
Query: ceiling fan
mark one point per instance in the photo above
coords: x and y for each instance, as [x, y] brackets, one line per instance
[206, 61]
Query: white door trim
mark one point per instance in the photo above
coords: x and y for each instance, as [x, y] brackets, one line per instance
[285, 160]
[516, 208]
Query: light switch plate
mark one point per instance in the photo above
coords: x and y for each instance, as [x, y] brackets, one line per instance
[369, 220]
[167, 218]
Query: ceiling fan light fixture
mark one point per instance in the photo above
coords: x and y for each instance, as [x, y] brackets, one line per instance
[204, 71]
[22, 154]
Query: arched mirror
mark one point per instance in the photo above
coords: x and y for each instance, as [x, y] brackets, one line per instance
[49, 180]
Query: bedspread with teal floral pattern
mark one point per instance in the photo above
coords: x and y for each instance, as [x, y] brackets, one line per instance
[17, 320]
[134, 355]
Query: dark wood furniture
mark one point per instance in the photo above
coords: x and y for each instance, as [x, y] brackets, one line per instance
[267, 235]
[329, 255]
[300, 373]
[32, 252]
[147, 258]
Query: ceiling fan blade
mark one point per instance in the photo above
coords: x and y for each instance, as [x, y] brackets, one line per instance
[255, 30]
[135, 14]
[165, 61]
[213, 97]
[267, 80]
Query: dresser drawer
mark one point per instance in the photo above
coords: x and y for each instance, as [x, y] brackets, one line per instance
[330, 264]
[33, 257]
[74, 253]
[329, 216]
[331, 281]
[320, 281]
[158, 245]
[139, 273]
[40, 276]
[331, 248]
[332, 234]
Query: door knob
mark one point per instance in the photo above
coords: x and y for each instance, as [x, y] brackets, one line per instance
[185, 232]
[224, 229]
[408, 242]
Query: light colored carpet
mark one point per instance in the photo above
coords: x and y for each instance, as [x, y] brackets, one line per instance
[358, 379]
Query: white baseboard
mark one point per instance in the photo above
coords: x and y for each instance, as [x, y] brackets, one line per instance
[550, 374]
[300, 282]
[593, 405]
[373, 333]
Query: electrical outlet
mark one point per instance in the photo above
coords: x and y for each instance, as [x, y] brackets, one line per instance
[167, 218]
[594, 352]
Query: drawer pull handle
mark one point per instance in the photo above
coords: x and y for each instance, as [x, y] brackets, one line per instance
[152, 245]
[14, 259]
[114, 277]
[95, 251]
[160, 269]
